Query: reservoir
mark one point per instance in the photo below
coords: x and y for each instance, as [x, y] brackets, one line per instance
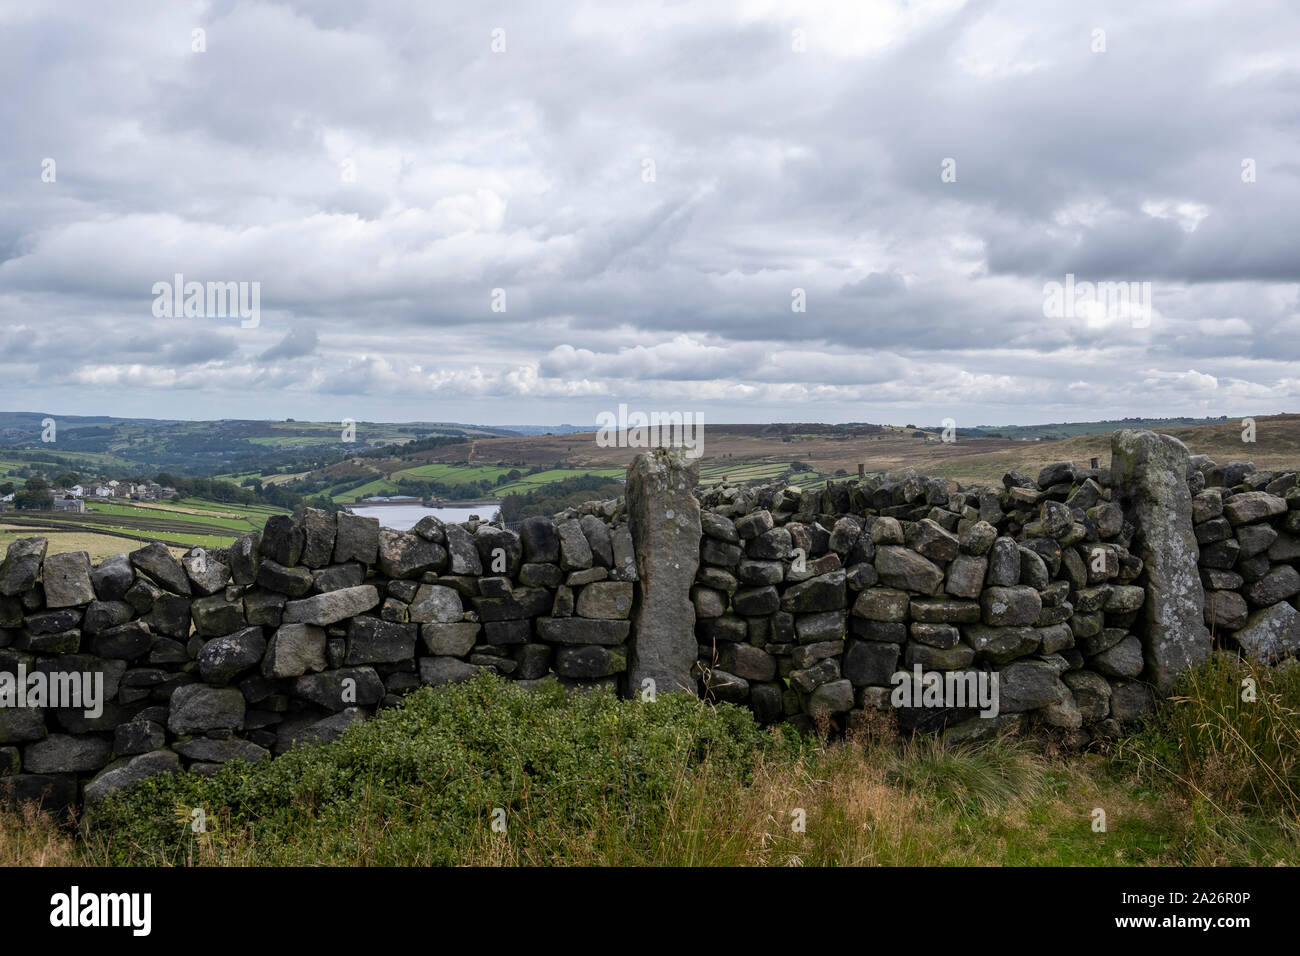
[405, 517]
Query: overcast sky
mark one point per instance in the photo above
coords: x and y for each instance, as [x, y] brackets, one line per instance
[649, 184]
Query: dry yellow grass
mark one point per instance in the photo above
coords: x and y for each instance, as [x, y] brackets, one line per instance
[866, 803]
[98, 546]
[30, 838]
[1277, 446]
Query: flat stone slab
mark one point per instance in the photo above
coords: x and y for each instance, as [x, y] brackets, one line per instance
[331, 606]
[579, 630]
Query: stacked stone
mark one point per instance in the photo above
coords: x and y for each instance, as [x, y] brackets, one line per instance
[803, 605]
[292, 635]
[1248, 527]
[1032, 579]
[588, 620]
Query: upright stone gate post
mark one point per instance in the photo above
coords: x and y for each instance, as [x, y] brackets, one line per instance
[664, 520]
[1149, 475]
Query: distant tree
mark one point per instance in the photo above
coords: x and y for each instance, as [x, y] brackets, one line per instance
[30, 500]
[323, 503]
[7, 488]
[67, 480]
[36, 484]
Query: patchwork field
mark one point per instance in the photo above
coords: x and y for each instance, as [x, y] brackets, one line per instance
[806, 455]
[118, 526]
[380, 486]
[452, 473]
[98, 545]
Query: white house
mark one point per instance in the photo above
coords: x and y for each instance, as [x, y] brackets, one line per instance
[76, 491]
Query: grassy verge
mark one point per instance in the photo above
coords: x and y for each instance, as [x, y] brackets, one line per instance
[486, 774]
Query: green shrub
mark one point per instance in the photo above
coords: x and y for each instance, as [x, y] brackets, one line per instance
[419, 783]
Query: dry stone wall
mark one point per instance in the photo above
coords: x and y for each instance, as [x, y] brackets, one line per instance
[1248, 528]
[811, 604]
[1074, 595]
[287, 637]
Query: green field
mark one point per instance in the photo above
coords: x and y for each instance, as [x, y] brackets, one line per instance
[763, 471]
[452, 474]
[380, 486]
[238, 525]
[745, 472]
[114, 448]
[212, 524]
[459, 474]
[205, 505]
[532, 482]
[81, 462]
[294, 442]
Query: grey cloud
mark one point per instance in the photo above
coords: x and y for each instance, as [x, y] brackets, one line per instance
[298, 342]
[198, 348]
[774, 171]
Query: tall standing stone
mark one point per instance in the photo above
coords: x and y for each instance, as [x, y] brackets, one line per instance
[664, 519]
[1150, 476]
